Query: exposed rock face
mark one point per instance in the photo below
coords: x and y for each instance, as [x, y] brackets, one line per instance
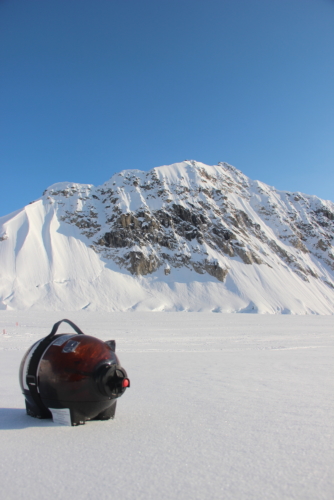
[200, 217]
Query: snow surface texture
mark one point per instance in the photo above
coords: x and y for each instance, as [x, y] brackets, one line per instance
[184, 237]
[220, 407]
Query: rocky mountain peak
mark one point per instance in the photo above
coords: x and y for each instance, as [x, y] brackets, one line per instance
[199, 217]
[195, 223]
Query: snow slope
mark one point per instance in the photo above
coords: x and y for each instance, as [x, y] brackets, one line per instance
[220, 407]
[183, 237]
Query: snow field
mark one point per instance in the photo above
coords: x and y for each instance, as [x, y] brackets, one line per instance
[221, 406]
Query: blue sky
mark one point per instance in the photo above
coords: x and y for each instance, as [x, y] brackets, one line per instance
[91, 87]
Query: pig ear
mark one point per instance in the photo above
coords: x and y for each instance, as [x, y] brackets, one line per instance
[111, 344]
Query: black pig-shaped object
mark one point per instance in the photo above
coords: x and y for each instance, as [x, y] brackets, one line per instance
[72, 378]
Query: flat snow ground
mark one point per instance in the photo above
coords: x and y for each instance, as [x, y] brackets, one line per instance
[220, 407]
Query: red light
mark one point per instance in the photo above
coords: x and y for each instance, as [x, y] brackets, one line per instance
[125, 382]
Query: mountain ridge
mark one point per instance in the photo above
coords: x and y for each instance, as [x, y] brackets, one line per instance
[186, 236]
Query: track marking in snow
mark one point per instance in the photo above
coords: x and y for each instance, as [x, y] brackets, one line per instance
[226, 349]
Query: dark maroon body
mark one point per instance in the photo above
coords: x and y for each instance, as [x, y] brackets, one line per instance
[76, 372]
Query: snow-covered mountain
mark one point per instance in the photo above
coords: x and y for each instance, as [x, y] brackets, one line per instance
[186, 236]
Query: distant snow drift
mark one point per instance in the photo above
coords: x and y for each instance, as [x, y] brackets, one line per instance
[184, 237]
